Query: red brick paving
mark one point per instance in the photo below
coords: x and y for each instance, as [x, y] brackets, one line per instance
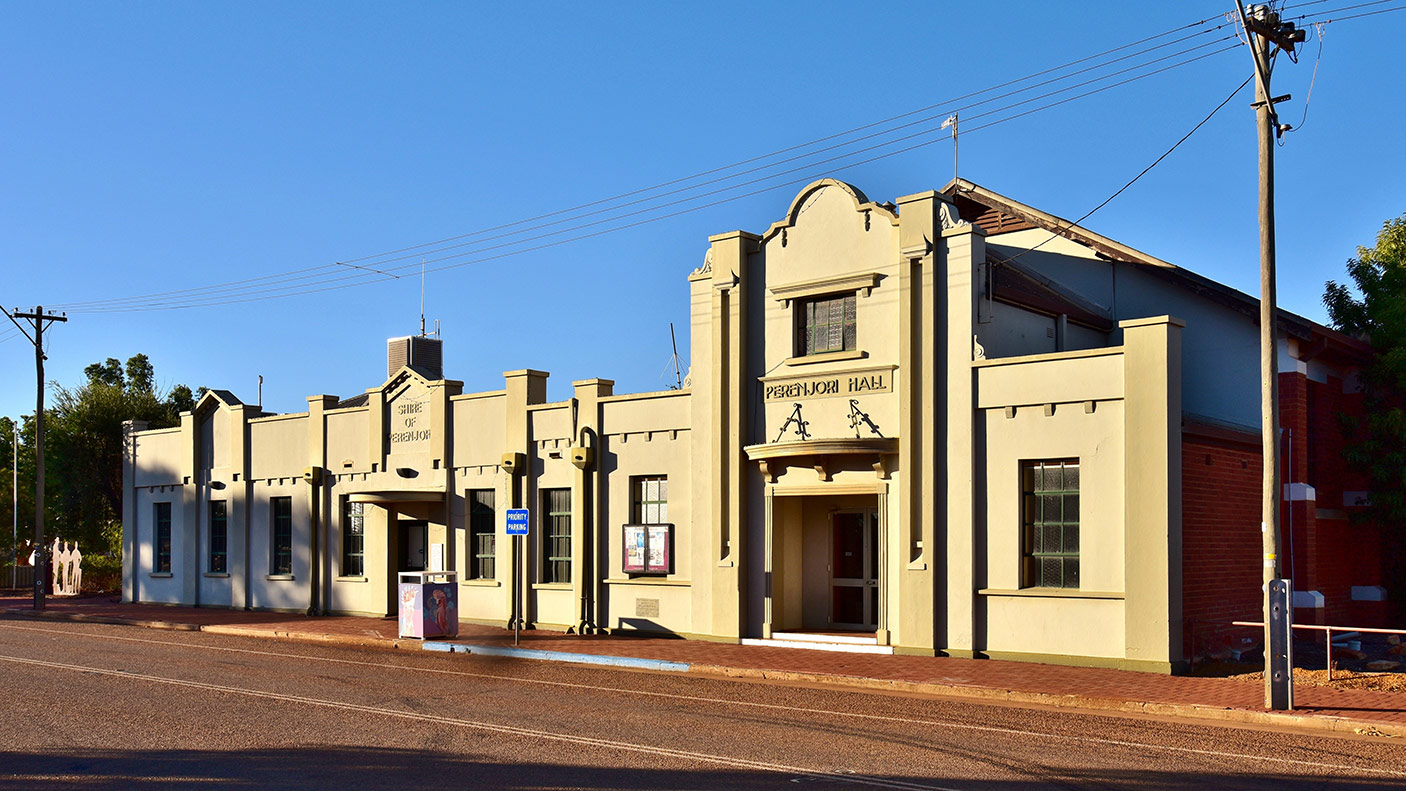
[982, 677]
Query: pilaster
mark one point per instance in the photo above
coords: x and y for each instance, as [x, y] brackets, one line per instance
[319, 512]
[186, 566]
[241, 498]
[588, 546]
[728, 388]
[523, 388]
[1152, 494]
[963, 251]
[910, 566]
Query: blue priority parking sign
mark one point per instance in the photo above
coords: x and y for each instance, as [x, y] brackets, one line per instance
[517, 521]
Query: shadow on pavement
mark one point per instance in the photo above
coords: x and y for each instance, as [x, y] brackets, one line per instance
[371, 769]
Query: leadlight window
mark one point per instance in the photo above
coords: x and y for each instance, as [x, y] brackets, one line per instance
[1050, 516]
[219, 538]
[354, 540]
[281, 535]
[556, 536]
[650, 494]
[826, 324]
[483, 536]
[162, 518]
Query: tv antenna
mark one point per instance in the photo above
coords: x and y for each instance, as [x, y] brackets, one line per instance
[678, 374]
[423, 334]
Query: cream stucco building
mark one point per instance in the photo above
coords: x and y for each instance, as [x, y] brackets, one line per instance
[951, 424]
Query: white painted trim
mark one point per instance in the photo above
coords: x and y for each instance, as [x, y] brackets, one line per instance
[846, 639]
[837, 647]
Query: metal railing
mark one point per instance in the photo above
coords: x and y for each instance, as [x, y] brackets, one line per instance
[1313, 627]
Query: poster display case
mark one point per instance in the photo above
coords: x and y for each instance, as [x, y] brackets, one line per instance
[649, 549]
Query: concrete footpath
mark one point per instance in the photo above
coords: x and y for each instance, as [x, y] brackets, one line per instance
[1321, 708]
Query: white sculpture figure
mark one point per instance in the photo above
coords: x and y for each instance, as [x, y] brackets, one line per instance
[76, 573]
[57, 558]
[67, 574]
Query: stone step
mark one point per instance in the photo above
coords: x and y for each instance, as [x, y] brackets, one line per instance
[847, 648]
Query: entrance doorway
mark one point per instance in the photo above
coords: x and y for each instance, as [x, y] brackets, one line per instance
[854, 569]
[414, 544]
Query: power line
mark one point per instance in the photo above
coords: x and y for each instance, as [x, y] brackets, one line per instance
[1134, 180]
[322, 275]
[820, 162]
[332, 284]
[322, 270]
[807, 144]
[333, 276]
[328, 281]
[1353, 16]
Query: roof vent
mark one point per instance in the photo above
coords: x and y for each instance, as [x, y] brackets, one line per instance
[424, 354]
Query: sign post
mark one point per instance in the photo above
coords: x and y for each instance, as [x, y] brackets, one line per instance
[517, 528]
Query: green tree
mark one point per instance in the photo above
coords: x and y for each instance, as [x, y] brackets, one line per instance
[83, 446]
[1373, 308]
[7, 482]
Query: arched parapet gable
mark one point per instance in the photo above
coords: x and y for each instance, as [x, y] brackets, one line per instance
[862, 205]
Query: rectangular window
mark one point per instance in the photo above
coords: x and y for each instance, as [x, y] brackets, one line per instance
[650, 496]
[354, 540]
[483, 535]
[649, 537]
[281, 535]
[219, 538]
[825, 324]
[163, 537]
[556, 535]
[1050, 523]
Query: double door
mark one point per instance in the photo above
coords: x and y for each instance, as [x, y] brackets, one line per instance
[854, 569]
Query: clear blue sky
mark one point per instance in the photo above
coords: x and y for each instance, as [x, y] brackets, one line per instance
[152, 147]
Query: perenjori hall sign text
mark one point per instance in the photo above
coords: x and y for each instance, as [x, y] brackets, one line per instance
[850, 383]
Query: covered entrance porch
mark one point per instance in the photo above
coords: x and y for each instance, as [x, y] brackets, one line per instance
[826, 544]
[401, 531]
[824, 570]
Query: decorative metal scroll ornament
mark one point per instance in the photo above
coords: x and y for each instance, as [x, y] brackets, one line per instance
[859, 418]
[800, 425]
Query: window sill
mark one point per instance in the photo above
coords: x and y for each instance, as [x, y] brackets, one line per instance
[351, 579]
[482, 583]
[662, 581]
[217, 575]
[827, 357]
[279, 577]
[160, 575]
[1052, 593]
[551, 586]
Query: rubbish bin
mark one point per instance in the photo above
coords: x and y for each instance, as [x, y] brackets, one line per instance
[429, 604]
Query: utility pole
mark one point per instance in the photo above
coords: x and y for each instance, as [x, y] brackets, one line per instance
[1266, 35]
[15, 509]
[38, 320]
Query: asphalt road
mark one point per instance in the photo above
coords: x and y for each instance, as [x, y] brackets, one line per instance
[90, 706]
